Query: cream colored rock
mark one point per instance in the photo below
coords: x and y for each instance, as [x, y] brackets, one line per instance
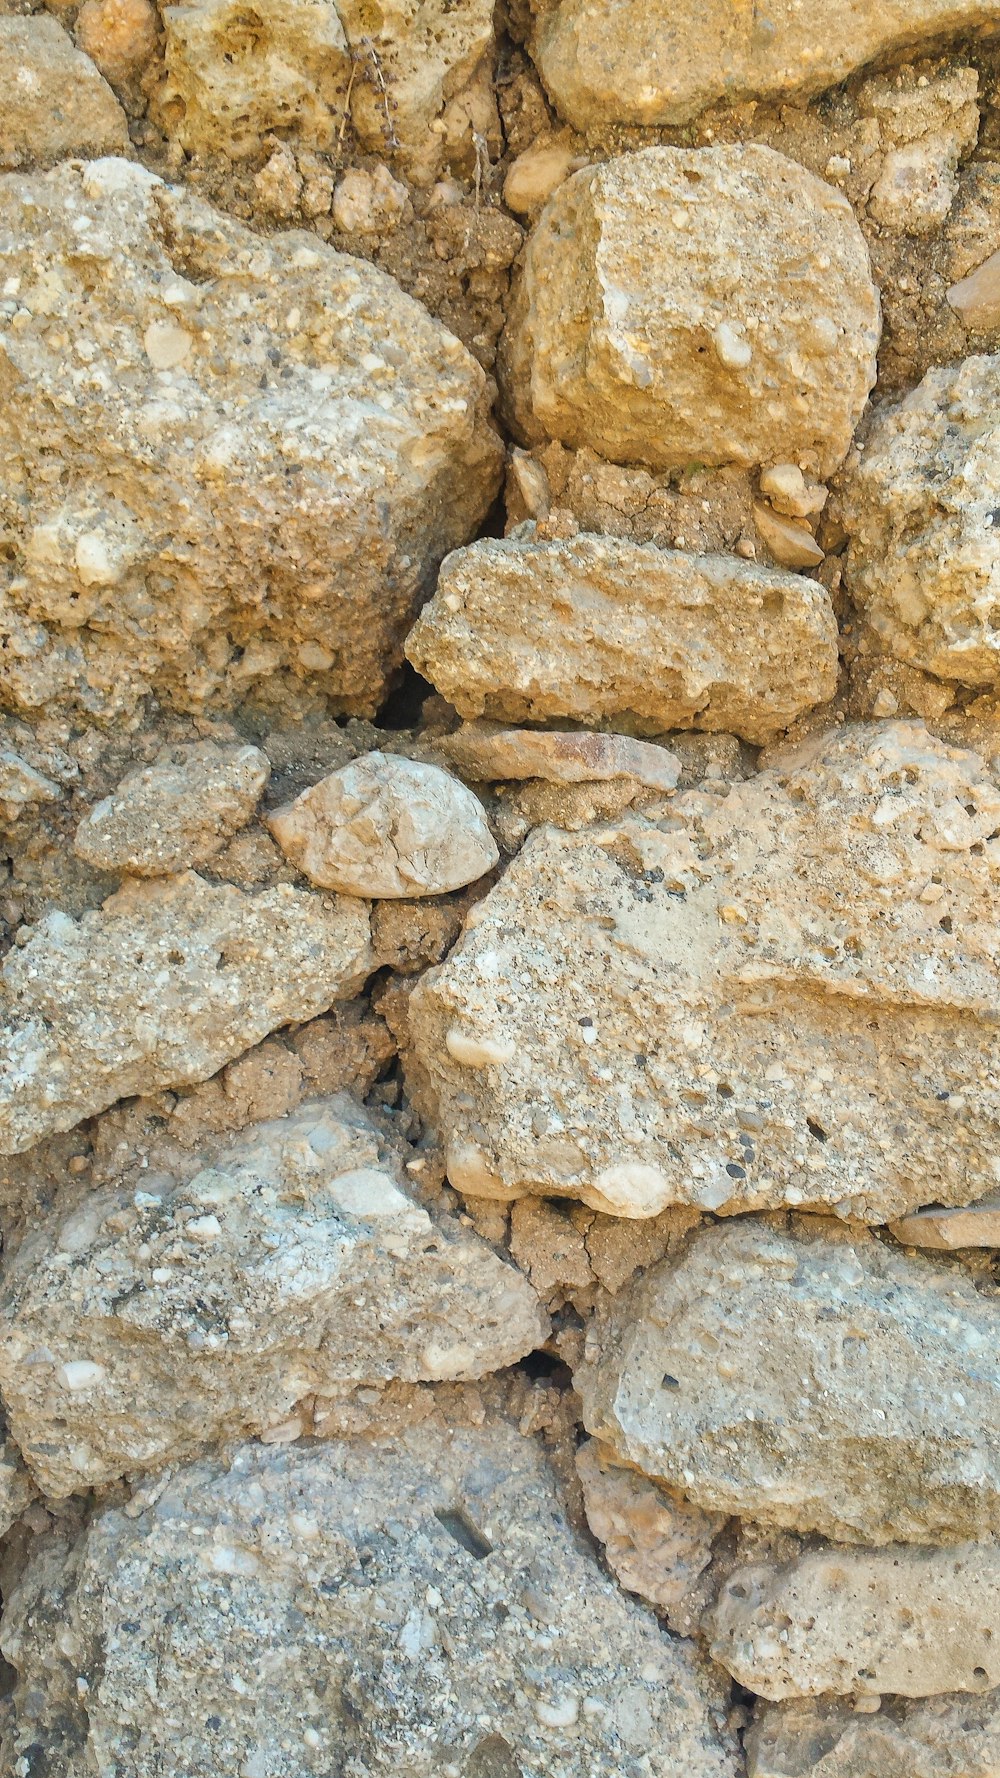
[911, 1622]
[22, 786]
[295, 1263]
[120, 36]
[160, 987]
[792, 545]
[811, 1377]
[927, 125]
[55, 102]
[537, 172]
[386, 827]
[680, 1011]
[369, 203]
[392, 1604]
[177, 812]
[632, 334]
[599, 629]
[954, 1736]
[489, 752]
[663, 61]
[967, 1225]
[976, 298]
[921, 506]
[265, 449]
[658, 1547]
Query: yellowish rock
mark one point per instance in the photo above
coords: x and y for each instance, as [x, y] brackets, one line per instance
[965, 1225]
[54, 101]
[177, 812]
[657, 1546]
[120, 36]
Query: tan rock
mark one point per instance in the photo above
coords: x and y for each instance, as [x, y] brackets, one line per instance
[907, 1621]
[968, 1225]
[920, 506]
[224, 524]
[551, 1248]
[55, 102]
[488, 752]
[630, 333]
[385, 826]
[279, 183]
[17, 1490]
[626, 994]
[953, 1735]
[811, 1377]
[536, 173]
[120, 36]
[662, 62]
[599, 629]
[789, 493]
[791, 545]
[22, 786]
[160, 987]
[369, 203]
[657, 1546]
[927, 125]
[976, 298]
[177, 812]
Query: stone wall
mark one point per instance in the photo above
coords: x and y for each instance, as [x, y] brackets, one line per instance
[499, 860]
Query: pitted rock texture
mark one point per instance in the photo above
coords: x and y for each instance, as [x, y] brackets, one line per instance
[920, 507]
[177, 812]
[616, 1025]
[707, 305]
[662, 62]
[160, 987]
[598, 629]
[387, 827]
[412, 1606]
[231, 512]
[807, 1377]
[946, 1737]
[55, 103]
[296, 1263]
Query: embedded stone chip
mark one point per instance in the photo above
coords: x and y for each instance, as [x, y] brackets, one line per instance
[177, 812]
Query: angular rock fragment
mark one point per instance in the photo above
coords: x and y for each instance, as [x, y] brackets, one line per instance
[488, 752]
[266, 456]
[976, 298]
[906, 1621]
[656, 1546]
[632, 334]
[953, 1736]
[160, 987]
[927, 125]
[804, 1376]
[924, 558]
[295, 1263]
[615, 1026]
[177, 812]
[367, 1604]
[55, 103]
[386, 826]
[966, 1225]
[601, 629]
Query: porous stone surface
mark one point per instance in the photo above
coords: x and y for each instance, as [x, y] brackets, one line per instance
[223, 519]
[296, 1263]
[615, 1026]
[633, 333]
[599, 629]
[953, 1736]
[924, 558]
[487, 752]
[415, 1604]
[387, 827]
[657, 1546]
[177, 812]
[186, 976]
[807, 1377]
[55, 102]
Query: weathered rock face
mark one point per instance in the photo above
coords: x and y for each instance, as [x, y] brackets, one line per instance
[422, 1606]
[177, 812]
[924, 559]
[826, 1738]
[221, 519]
[161, 986]
[656, 1546]
[662, 63]
[599, 629]
[700, 305]
[970, 1225]
[388, 827]
[55, 102]
[805, 1378]
[294, 1264]
[17, 1489]
[615, 1027]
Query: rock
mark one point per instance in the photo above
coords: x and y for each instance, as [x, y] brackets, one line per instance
[911, 1622]
[969, 1225]
[177, 812]
[927, 124]
[536, 173]
[789, 493]
[660, 62]
[223, 524]
[487, 752]
[615, 1026]
[924, 558]
[952, 1735]
[811, 1377]
[22, 786]
[630, 333]
[120, 36]
[791, 545]
[294, 1263]
[385, 826]
[369, 1603]
[55, 103]
[369, 203]
[599, 629]
[976, 298]
[189, 976]
[17, 1490]
[658, 1547]
[279, 183]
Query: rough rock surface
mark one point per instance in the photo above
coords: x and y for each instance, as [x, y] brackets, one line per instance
[487, 752]
[177, 812]
[415, 1606]
[296, 1263]
[223, 518]
[161, 986]
[945, 1737]
[967, 1225]
[920, 507]
[55, 102]
[615, 1027]
[808, 1377]
[17, 1489]
[695, 305]
[657, 1546]
[600, 629]
[389, 827]
[660, 62]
